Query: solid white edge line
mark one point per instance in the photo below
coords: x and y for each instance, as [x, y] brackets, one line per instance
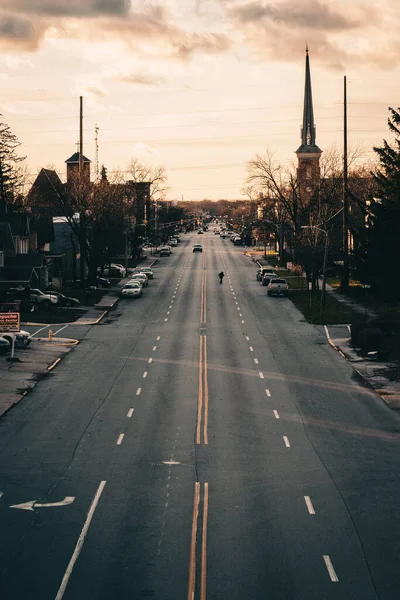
[120, 438]
[130, 413]
[287, 443]
[80, 542]
[276, 414]
[309, 505]
[327, 332]
[138, 391]
[331, 570]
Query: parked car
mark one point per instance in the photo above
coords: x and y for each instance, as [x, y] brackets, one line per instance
[197, 248]
[141, 277]
[261, 272]
[100, 282]
[278, 287]
[132, 289]
[165, 251]
[66, 300]
[120, 267]
[5, 346]
[43, 300]
[216, 232]
[267, 278]
[173, 242]
[114, 271]
[22, 338]
[200, 231]
[147, 271]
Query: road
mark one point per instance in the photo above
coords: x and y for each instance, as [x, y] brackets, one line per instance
[203, 442]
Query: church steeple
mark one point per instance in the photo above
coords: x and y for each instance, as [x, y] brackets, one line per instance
[308, 154]
[308, 130]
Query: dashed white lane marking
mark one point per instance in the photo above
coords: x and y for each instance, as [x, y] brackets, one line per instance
[138, 391]
[166, 319]
[168, 312]
[287, 443]
[331, 570]
[154, 348]
[238, 307]
[170, 306]
[145, 375]
[240, 315]
[158, 337]
[80, 542]
[236, 302]
[261, 375]
[309, 505]
[251, 348]
[120, 438]
[150, 361]
[268, 393]
[256, 361]
[130, 413]
[247, 338]
[276, 414]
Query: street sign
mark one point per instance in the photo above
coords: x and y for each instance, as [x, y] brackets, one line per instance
[366, 287]
[10, 321]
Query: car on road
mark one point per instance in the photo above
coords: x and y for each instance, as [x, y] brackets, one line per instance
[263, 271]
[147, 271]
[267, 277]
[200, 231]
[132, 289]
[165, 251]
[173, 242]
[216, 232]
[197, 248]
[141, 277]
[278, 287]
[22, 338]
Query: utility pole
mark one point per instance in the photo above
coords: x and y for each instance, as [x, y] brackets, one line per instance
[82, 214]
[345, 278]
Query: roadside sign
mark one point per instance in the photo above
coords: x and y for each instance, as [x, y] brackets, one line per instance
[10, 321]
[366, 286]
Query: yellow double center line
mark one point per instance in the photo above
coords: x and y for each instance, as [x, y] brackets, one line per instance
[203, 303]
[202, 402]
[193, 543]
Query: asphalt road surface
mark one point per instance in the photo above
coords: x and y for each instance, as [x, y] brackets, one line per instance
[202, 442]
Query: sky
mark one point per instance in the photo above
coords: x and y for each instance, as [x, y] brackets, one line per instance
[198, 86]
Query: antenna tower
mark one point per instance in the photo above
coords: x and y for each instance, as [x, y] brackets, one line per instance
[96, 165]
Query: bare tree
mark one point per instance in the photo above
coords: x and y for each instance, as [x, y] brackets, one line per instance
[156, 176]
[12, 174]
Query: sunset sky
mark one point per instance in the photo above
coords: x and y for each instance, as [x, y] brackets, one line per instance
[199, 86]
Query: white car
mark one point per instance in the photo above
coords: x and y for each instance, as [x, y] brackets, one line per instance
[42, 299]
[173, 242]
[22, 338]
[147, 271]
[141, 277]
[132, 289]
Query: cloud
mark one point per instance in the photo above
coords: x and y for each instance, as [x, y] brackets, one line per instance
[142, 79]
[152, 30]
[68, 8]
[141, 148]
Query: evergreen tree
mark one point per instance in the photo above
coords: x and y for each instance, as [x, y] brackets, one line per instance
[11, 174]
[381, 243]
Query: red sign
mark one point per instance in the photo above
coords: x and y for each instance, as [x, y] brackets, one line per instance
[10, 321]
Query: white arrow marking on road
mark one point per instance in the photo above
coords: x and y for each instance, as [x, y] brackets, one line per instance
[34, 504]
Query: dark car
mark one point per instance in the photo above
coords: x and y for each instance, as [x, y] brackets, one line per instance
[261, 272]
[197, 248]
[66, 300]
[100, 282]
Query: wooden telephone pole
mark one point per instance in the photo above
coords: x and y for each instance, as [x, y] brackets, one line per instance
[345, 277]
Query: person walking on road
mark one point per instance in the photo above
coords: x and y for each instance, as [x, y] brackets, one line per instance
[221, 276]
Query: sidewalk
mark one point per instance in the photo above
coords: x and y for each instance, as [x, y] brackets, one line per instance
[380, 376]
